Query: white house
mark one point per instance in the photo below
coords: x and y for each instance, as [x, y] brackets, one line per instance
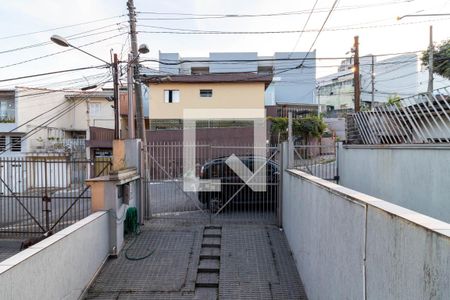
[401, 75]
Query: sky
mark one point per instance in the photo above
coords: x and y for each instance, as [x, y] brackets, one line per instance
[28, 24]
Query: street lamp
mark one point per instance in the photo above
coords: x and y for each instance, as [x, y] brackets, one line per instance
[422, 15]
[61, 41]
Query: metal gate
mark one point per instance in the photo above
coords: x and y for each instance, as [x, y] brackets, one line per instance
[39, 194]
[235, 200]
[318, 160]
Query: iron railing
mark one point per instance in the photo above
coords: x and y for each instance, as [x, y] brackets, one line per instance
[41, 194]
[420, 119]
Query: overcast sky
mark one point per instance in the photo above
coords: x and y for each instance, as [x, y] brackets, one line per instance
[384, 35]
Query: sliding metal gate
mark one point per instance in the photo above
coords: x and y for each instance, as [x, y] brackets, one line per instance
[236, 201]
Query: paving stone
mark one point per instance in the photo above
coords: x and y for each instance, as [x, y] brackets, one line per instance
[255, 263]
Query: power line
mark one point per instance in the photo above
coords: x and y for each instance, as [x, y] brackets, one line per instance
[303, 29]
[320, 31]
[192, 16]
[61, 27]
[50, 73]
[240, 61]
[181, 31]
[57, 116]
[70, 37]
[59, 52]
[46, 92]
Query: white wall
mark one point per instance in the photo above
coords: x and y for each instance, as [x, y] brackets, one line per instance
[413, 176]
[348, 245]
[59, 267]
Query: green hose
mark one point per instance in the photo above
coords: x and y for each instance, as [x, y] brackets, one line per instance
[131, 226]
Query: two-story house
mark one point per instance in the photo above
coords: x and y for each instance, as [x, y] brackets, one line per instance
[170, 95]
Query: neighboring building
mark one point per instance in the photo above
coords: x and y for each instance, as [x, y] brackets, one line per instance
[401, 75]
[93, 119]
[35, 120]
[8, 121]
[290, 85]
[170, 95]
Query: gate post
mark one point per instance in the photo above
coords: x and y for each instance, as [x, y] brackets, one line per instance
[284, 155]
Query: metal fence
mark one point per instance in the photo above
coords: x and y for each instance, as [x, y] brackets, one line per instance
[422, 118]
[317, 160]
[167, 197]
[39, 194]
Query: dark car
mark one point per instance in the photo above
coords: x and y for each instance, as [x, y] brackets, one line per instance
[233, 190]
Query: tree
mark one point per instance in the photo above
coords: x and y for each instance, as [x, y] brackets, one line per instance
[394, 100]
[441, 59]
[309, 127]
[305, 127]
[279, 127]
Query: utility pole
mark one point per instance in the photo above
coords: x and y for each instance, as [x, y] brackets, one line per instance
[140, 123]
[430, 63]
[130, 97]
[357, 83]
[372, 75]
[116, 97]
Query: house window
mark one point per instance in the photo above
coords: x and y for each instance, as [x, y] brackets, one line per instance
[199, 70]
[94, 109]
[2, 143]
[206, 93]
[171, 96]
[16, 143]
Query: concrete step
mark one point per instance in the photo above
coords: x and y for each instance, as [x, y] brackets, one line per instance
[213, 227]
[212, 232]
[208, 266]
[206, 293]
[210, 253]
[207, 280]
[211, 242]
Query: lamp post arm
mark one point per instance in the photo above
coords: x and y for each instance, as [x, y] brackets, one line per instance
[79, 49]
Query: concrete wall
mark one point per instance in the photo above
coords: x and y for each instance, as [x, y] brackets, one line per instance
[225, 95]
[348, 245]
[235, 67]
[413, 176]
[296, 85]
[61, 266]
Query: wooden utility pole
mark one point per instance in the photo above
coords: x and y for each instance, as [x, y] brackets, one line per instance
[131, 120]
[357, 83]
[140, 123]
[115, 67]
[430, 63]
